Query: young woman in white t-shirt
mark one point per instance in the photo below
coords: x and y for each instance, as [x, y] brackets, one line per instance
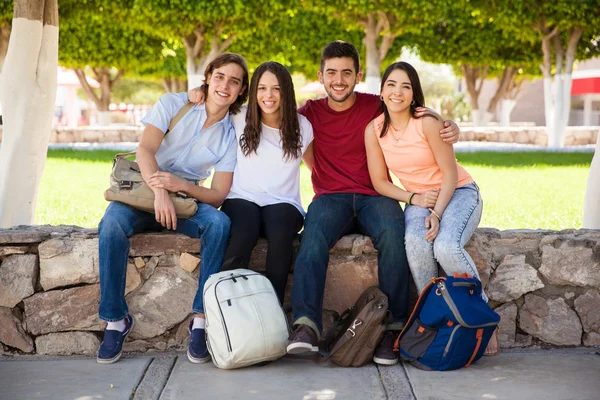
[264, 199]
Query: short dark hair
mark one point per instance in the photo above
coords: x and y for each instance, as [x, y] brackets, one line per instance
[338, 49]
[224, 59]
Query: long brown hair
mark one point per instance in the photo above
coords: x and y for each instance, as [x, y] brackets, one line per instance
[290, 126]
[418, 96]
[218, 62]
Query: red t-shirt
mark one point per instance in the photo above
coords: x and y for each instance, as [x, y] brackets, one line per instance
[339, 145]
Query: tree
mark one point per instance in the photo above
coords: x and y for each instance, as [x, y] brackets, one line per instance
[96, 40]
[206, 28]
[28, 83]
[6, 11]
[474, 43]
[382, 21]
[565, 31]
[281, 41]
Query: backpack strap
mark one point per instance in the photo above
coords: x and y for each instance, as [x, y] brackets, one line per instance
[184, 110]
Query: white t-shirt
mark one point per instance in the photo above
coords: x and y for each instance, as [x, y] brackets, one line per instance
[265, 177]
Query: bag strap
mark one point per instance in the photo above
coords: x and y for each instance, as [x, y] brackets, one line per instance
[346, 336]
[184, 110]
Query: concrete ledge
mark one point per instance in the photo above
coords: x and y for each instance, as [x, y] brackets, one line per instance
[545, 285]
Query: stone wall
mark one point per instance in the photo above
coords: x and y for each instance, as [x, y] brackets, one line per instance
[576, 135]
[544, 284]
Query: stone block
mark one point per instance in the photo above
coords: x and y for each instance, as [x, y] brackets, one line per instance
[512, 279]
[9, 250]
[570, 260]
[150, 267]
[508, 324]
[162, 302]
[188, 262]
[12, 333]
[552, 321]
[18, 275]
[22, 235]
[139, 262]
[133, 279]
[341, 292]
[74, 309]
[68, 262]
[67, 343]
[156, 244]
[591, 339]
[588, 308]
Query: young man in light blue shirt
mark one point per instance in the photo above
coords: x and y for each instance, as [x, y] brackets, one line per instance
[203, 139]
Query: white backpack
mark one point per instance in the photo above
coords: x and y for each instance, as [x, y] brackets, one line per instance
[245, 323]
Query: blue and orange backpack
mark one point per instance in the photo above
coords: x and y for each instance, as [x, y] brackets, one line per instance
[449, 327]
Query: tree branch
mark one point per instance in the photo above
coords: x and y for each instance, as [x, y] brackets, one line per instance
[574, 37]
[86, 86]
[117, 76]
[386, 43]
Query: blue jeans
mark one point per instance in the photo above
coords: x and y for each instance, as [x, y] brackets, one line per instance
[460, 218]
[120, 222]
[332, 216]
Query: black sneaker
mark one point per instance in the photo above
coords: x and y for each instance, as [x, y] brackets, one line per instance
[303, 340]
[385, 354]
[111, 349]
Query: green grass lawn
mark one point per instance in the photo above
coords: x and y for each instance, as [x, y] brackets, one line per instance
[520, 190]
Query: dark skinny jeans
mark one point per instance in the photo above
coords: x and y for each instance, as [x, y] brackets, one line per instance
[278, 223]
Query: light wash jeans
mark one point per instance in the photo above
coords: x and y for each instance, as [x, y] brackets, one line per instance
[461, 217]
[120, 222]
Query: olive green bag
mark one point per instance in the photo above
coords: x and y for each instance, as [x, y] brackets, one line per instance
[128, 186]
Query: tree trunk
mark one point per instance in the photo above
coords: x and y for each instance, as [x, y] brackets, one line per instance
[28, 83]
[196, 62]
[107, 82]
[591, 205]
[474, 78]
[546, 68]
[504, 83]
[4, 37]
[506, 107]
[376, 25]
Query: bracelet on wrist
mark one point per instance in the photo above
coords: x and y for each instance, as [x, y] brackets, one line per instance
[431, 210]
[410, 197]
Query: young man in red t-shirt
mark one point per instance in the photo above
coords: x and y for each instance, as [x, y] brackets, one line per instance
[345, 202]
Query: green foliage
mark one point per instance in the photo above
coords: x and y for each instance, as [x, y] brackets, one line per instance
[296, 40]
[6, 12]
[135, 91]
[462, 35]
[98, 35]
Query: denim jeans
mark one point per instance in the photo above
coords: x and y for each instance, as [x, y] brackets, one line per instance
[460, 218]
[332, 216]
[120, 222]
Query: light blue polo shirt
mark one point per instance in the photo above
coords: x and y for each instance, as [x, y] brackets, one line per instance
[189, 151]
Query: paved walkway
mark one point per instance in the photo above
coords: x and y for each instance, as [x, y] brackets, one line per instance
[572, 374]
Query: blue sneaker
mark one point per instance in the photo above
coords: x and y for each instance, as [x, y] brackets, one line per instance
[197, 351]
[111, 348]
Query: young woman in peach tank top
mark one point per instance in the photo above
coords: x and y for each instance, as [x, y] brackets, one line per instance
[412, 149]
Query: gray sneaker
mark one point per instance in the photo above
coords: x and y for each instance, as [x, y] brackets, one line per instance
[303, 340]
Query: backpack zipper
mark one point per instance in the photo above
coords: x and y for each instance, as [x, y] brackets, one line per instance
[450, 340]
[221, 311]
[454, 309]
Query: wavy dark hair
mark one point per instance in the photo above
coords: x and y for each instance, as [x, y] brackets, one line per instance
[418, 96]
[290, 126]
[224, 59]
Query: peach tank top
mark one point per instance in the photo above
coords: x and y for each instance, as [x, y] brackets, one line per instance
[411, 159]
